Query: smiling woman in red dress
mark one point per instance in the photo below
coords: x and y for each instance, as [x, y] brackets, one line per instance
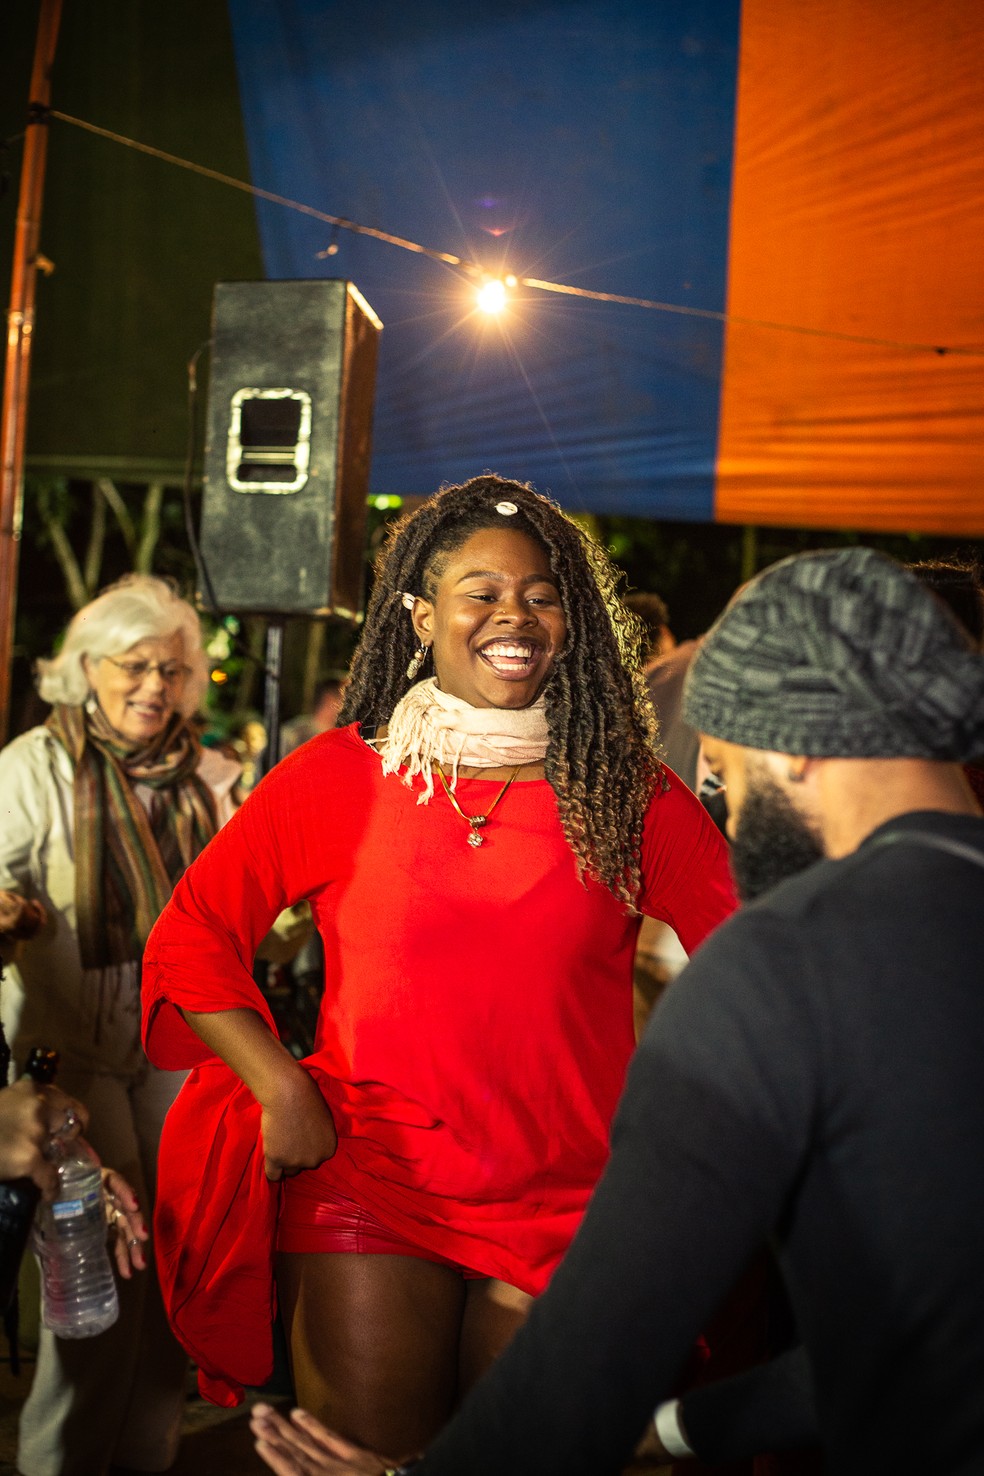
[477, 843]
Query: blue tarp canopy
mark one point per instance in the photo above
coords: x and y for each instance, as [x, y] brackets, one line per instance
[582, 143]
[716, 157]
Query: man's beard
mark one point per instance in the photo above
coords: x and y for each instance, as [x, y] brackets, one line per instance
[772, 840]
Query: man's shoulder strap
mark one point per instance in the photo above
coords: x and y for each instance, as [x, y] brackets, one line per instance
[937, 842]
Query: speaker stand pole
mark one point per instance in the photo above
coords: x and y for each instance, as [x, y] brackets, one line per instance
[271, 692]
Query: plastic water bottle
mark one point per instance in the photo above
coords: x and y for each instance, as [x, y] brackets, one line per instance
[78, 1289]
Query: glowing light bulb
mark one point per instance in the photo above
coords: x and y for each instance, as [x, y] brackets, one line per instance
[492, 296]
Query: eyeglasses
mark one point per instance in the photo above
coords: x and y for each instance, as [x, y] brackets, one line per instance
[710, 787]
[171, 672]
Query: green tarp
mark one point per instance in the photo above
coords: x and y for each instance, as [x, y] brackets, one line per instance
[136, 243]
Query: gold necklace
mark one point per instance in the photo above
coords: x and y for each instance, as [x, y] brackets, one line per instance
[476, 821]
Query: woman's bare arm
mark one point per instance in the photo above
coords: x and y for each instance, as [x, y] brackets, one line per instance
[296, 1124]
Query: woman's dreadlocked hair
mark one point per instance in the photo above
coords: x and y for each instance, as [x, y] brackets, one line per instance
[601, 753]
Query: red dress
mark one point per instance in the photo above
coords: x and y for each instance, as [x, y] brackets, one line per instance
[474, 1033]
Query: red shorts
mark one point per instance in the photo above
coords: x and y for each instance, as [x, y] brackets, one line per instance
[331, 1223]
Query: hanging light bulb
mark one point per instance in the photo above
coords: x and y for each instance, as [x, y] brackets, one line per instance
[492, 296]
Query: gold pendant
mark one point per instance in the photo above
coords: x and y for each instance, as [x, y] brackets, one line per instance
[476, 822]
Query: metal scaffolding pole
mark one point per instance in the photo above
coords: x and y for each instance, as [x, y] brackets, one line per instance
[20, 335]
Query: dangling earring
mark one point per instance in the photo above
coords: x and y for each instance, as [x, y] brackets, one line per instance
[416, 661]
[90, 704]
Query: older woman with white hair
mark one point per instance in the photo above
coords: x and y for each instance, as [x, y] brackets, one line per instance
[101, 810]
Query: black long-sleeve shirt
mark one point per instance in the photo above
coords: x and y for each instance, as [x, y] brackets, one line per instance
[816, 1073]
[770, 1407]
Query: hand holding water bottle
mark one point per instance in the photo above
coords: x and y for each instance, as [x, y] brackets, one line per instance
[78, 1291]
[32, 1111]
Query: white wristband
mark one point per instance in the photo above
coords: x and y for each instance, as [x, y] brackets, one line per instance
[670, 1430]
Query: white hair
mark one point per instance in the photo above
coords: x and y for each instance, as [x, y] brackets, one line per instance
[136, 607]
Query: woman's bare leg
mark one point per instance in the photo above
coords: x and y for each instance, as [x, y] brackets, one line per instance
[494, 1311]
[374, 1344]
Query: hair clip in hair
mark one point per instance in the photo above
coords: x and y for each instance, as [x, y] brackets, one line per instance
[408, 600]
[506, 508]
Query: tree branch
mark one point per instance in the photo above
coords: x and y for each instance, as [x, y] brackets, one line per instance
[97, 538]
[122, 514]
[64, 552]
[313, 661]
[150, 527]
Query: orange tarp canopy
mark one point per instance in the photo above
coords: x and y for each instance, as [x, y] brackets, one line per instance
[857, 208]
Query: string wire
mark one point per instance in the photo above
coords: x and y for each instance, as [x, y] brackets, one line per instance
[473, 268]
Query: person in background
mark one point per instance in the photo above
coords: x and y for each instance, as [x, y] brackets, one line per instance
[101, 809]
[652, 611]
[329, 695]
[665, 670]
[304, 975]
[29, 1117]
[814, 1074]
[476, 841]
[659, 954]
[246, 748]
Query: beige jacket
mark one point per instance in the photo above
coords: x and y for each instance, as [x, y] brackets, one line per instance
[92, 1017]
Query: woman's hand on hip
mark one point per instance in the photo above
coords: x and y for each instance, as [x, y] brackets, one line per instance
[297, 1128]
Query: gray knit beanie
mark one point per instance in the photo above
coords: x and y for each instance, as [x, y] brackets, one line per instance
[839, 654]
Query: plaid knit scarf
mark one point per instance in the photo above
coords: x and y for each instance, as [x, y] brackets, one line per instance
[126, 861]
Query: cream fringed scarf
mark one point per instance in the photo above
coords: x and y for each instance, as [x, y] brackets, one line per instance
[431, 727]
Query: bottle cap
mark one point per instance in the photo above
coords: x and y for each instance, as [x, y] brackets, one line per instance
[42, 1064]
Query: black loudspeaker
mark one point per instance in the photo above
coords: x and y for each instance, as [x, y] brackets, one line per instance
[288, 429]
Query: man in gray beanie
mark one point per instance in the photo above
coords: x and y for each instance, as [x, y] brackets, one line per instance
[838, 655]
[815, 1076]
